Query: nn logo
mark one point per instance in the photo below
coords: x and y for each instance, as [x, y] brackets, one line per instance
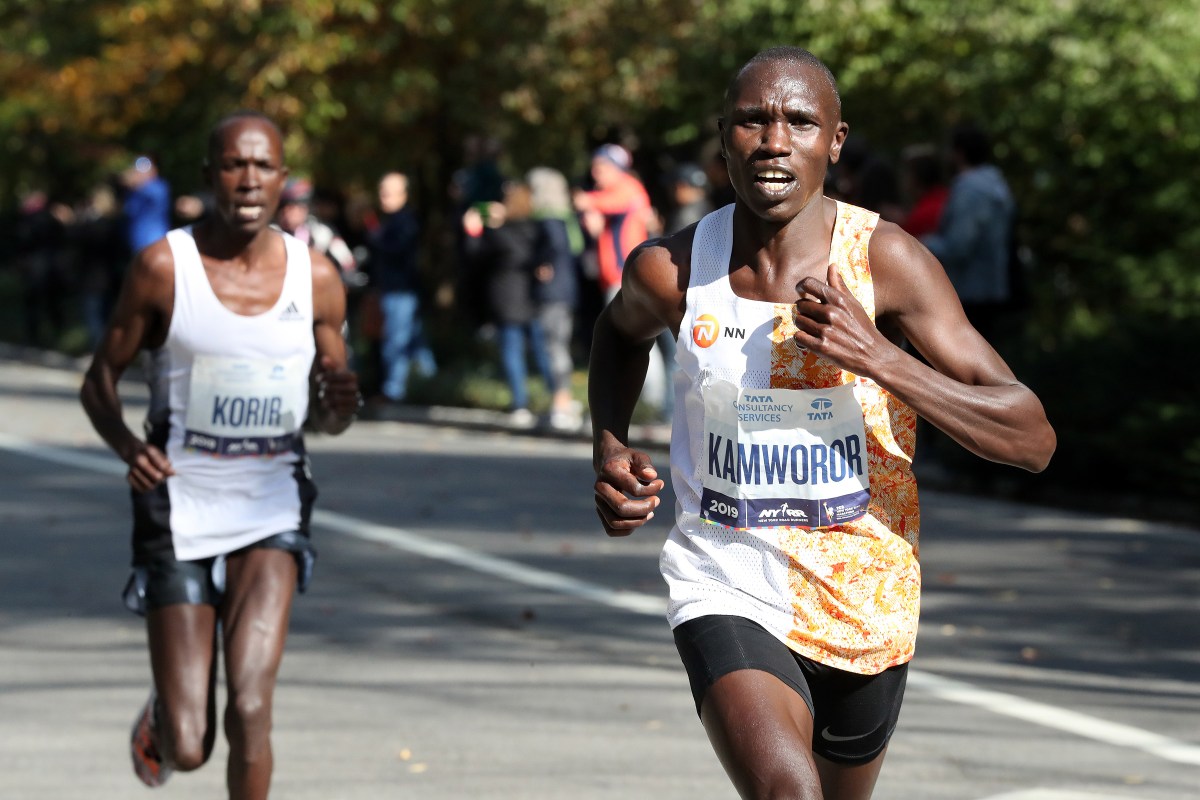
[821, 408]
[707, 330]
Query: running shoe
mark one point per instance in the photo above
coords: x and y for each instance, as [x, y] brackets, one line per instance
[148, 764]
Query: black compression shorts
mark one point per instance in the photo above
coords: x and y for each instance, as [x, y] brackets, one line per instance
[161, 580]
[853, 715]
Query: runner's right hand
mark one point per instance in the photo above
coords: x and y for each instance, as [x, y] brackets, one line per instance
[627, 487]
[148, 467]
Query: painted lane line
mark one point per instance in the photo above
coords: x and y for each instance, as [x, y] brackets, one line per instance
[1054, 794]
[513, 571]
[105, 464]
[1043, 714]
[1048, 716]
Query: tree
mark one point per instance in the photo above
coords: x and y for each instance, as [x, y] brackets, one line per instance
[1093, 104]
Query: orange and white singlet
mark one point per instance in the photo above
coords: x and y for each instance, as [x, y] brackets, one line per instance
[797, 506]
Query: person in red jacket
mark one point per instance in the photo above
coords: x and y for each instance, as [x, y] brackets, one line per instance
[617, 213]
[925, 182]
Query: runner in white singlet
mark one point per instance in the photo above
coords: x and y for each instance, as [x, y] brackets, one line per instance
[793, 561]
[239, 323]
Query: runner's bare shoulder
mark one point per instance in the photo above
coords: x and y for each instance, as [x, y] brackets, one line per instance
[663, 264]
[906, 275]
[152, 276]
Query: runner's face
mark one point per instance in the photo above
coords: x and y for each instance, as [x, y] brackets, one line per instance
[781, 130]
[247, 175]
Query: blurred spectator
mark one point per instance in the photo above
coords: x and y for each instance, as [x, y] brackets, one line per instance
[617, 213]
[974, 235]
[394, 247]
[191, 208]
[147, 204]
[295, 217]
[478, 182]
[40, 233]
[480, 179]
[689, 191]
[867, 180]
[507, 245]
[98, 234]
[556, 289]
[720, 190]
[923, 182]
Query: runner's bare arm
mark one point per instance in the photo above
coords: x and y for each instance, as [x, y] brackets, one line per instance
[968, 391]
[336, 398]
[139, 321]
[650, 300]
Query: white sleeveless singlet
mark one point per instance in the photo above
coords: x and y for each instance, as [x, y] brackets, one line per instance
[796, 505]
[228, 397]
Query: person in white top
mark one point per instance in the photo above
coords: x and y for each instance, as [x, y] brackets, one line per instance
[241, 324]
[792, 563]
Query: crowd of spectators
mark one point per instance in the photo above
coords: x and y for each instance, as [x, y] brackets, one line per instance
[522, 261]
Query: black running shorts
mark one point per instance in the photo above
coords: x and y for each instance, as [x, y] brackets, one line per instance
[853, 715]
[160, 580]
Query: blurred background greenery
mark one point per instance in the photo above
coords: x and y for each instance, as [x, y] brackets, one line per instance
[1093, 105]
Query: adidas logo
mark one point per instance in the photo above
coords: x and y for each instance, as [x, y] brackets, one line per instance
[291, 313]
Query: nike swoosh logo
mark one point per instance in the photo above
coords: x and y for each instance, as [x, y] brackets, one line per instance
[832, 737]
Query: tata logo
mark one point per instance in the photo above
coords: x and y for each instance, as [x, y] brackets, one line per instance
[705, 330]
[820, 409]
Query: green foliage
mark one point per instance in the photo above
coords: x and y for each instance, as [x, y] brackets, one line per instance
[1093, 103]
[1124, 408]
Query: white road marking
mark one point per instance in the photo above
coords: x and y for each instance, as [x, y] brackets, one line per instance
[513, 571]
[1054, 794]
[1087, 726]
[1083, 725]
[106, 464]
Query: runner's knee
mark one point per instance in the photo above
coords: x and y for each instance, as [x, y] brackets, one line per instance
[778, 775]
[188, 740]
[248, 714]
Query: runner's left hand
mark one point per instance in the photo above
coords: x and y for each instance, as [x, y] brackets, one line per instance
[337, 388]
[833, 324]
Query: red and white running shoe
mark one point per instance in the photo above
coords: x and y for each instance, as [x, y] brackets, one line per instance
[148, 763]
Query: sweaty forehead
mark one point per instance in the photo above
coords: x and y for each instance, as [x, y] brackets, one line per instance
[248, 134]
[784, 82]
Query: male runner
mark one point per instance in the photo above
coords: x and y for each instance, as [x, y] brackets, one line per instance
[792, 566]
[240, 321]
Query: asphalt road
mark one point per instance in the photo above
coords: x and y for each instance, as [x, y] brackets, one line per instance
[470, 633]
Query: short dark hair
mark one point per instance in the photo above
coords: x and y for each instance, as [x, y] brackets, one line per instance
[214, 134]
[790, 54]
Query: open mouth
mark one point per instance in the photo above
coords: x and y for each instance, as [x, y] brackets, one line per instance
[248, 213]
[774, 181]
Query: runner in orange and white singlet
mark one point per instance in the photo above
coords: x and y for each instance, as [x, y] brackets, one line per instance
[793, 562]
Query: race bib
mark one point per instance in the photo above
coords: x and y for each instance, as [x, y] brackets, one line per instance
[245, 406]
[783, 457]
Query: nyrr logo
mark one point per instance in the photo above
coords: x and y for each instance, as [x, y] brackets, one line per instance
[705, 330]
[783, 512]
